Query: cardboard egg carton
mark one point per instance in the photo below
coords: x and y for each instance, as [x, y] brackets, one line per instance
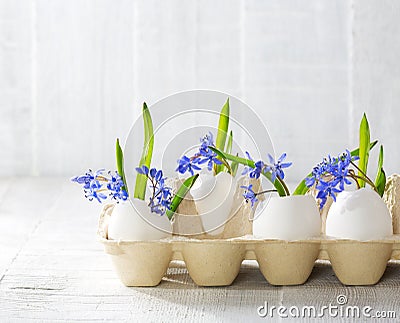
[216, 262]
[187, 222]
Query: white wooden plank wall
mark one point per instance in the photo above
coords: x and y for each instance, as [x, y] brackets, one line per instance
[73, 73]
[16, 134]
[376, 72]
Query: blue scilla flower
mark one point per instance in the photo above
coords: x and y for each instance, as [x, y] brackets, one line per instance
[327, 166]
[210, 159]
[116, 187]
[249, 194]
[275, 168]
[345, 159]
[186, 164]
[207, 140]
[164, 199]
[120, 195]
[204, 156]
[254, 172]
[331, 175]
[144, 170]
[341, 178]
[336, 168]
[88, 178]
[310, 181]
[326, 189]
[316, 173]
[278, 166]
[155, 207]
[161, 197]
[95, 194]
[247, 169]
[259, 168]
[115, 183]
[162, 192]
[97, 184]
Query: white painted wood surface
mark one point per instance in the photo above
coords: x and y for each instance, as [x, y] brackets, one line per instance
[376, 72]
[73, 73]
[15, 87]
[52, 268]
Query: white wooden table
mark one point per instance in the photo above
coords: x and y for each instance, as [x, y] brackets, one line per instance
[53, 268]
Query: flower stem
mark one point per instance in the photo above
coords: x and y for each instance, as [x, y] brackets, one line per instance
[194, 157]
[352, 176]
[283, 185]
[101, 178]
[226, 164]
[266, 191]
[154, 189]
[102, 190]
[280, 180]
[366, 178]
[279, 185]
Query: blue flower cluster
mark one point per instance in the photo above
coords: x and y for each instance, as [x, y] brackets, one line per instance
[249, 194]
[275, 168]
[331, 175]
[161, 197]
[203, 156]
[96, 184]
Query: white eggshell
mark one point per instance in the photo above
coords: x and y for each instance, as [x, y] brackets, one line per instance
[135, 221]
[213, 196]
[203, 187]
[359, 215]
[288, 218]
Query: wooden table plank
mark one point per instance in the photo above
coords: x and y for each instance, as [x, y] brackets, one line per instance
[24, 202]
[55, 269]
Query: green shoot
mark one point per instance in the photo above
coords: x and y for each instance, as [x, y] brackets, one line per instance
[147, 153]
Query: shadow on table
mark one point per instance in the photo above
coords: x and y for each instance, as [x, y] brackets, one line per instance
[250, 278]
[251, 290]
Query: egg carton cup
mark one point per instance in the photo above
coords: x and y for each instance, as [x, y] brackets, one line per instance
[216, 262]
[391, 198]
[187, 221]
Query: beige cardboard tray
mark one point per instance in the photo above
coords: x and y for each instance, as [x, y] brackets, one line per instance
[216, 262]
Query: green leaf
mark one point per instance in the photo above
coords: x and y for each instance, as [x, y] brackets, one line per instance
[223, 126]
[278, 184]
[147, 153]
[364, 149]
[381, 183]
[356, 152]
[226, 164]
[234, 167]
[230, 143]
[380, 180]
[380, 159]
[180, 195]
[302, 188]
[120, 164]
